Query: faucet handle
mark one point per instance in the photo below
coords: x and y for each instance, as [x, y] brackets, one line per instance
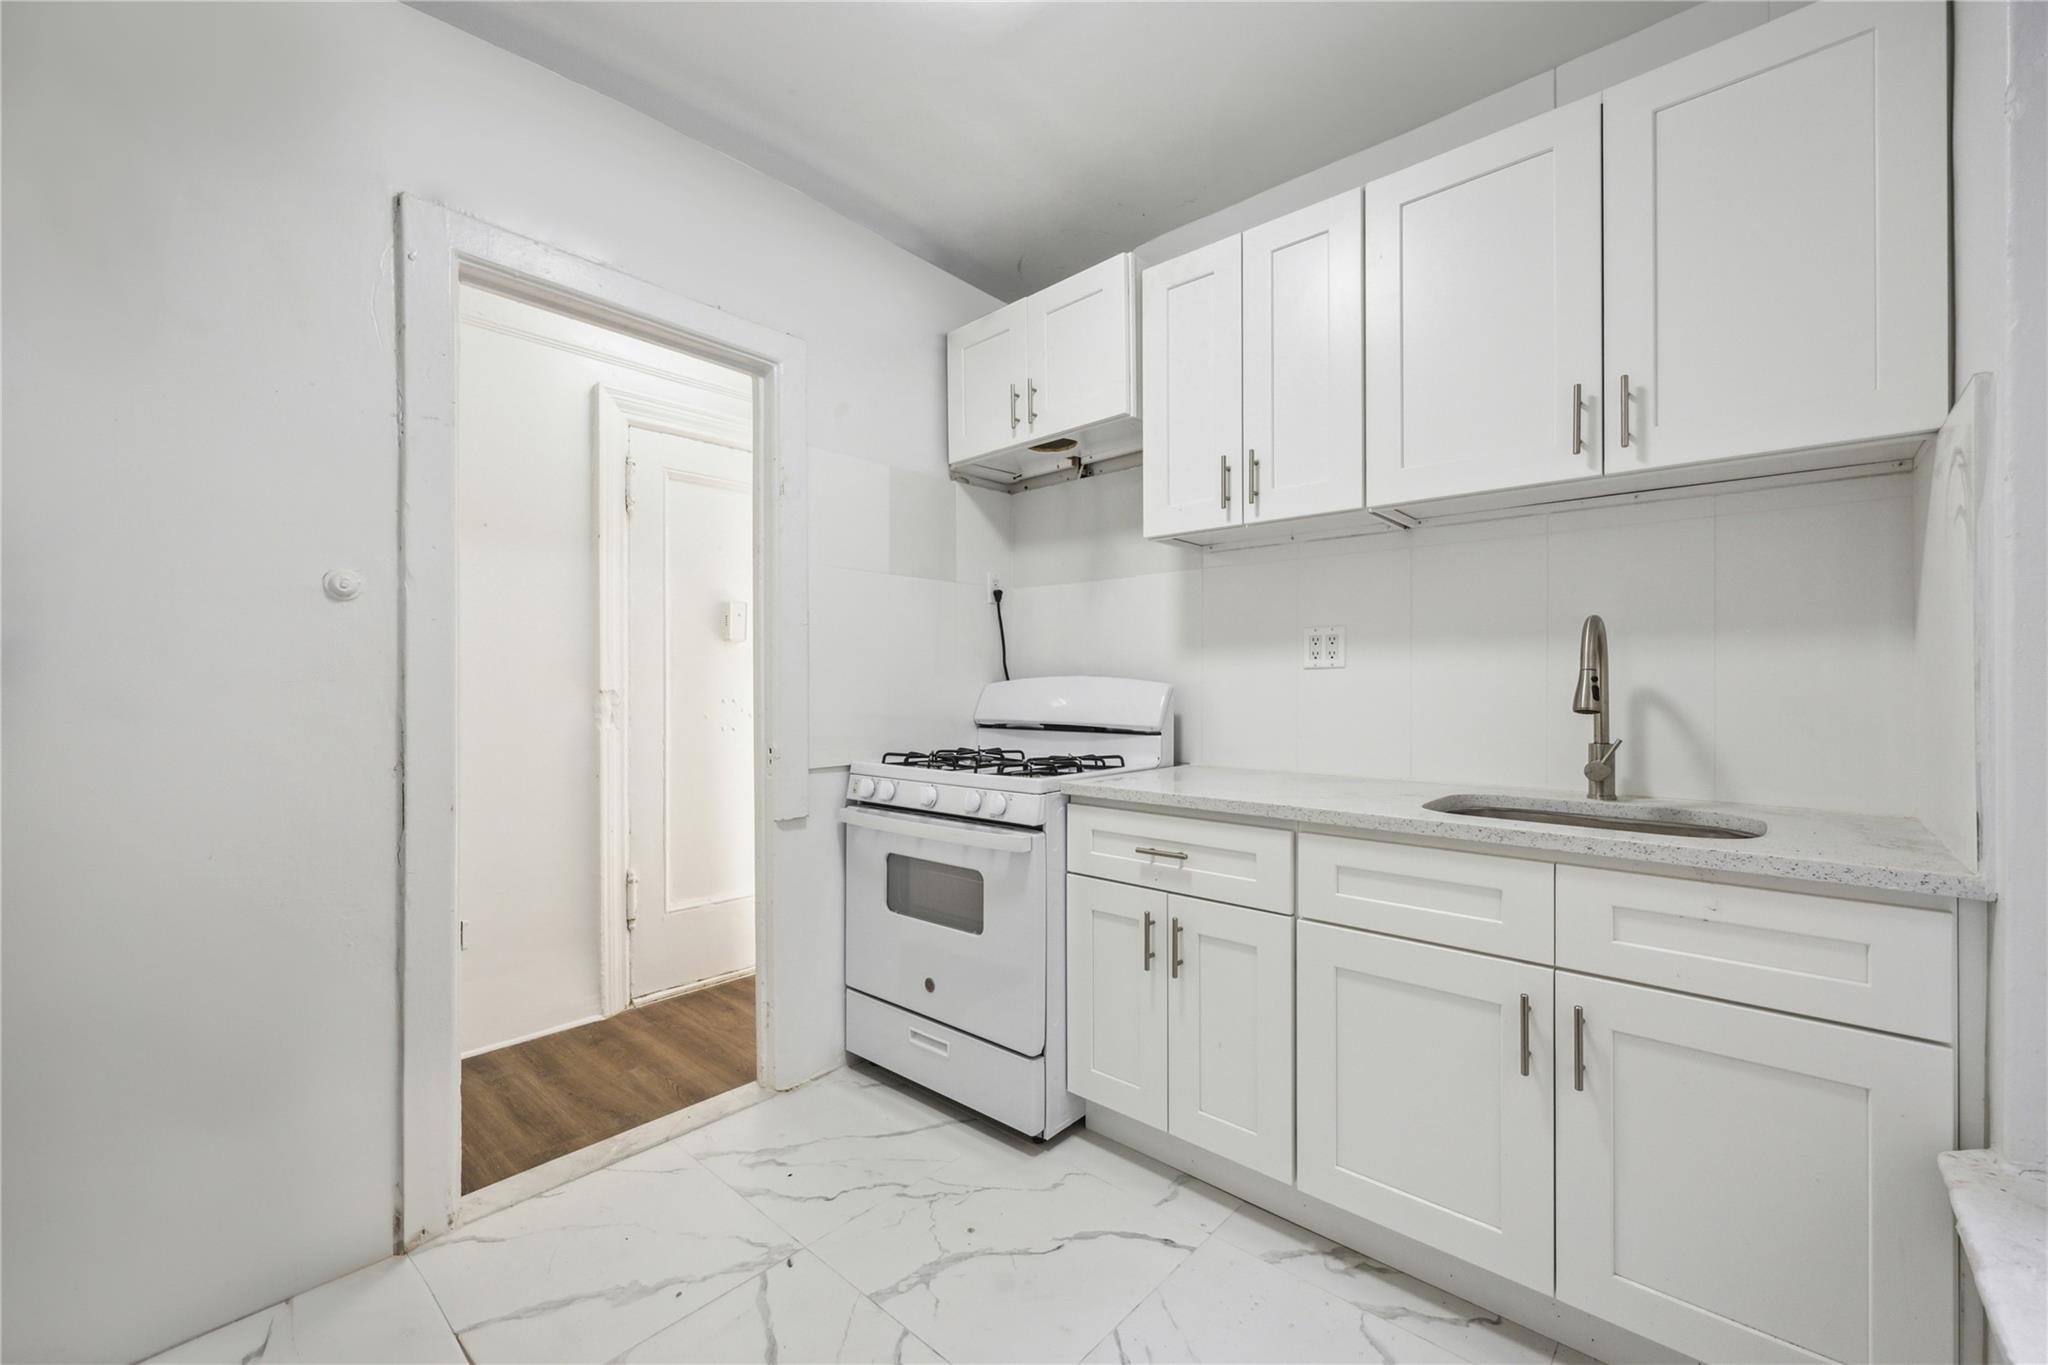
[1601, 768]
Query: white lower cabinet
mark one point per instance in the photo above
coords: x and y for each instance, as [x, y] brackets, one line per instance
[1744, 1185]
[1116, 997]
[1426, 1083]
[1180, 1014]
[1230, 1033]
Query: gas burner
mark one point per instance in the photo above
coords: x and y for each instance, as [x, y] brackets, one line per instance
[1060, 765]
[958, 760]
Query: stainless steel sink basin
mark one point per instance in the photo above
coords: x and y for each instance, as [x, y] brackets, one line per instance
[1616, 815]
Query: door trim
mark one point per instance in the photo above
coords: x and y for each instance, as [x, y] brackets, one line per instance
[438, 249]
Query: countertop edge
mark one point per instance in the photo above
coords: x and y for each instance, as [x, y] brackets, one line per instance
[2002, 1221]
[1718, 857]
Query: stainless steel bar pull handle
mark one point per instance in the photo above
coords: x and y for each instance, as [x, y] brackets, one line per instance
[1149, 954]
[1031, 403]
[1578, 1047]
[1525, 1035]
[1578, 431]
[1174, 964]
[1226, 481]
[1624, 412]
[1013, 407]
[1252, 494]
[1175, 854]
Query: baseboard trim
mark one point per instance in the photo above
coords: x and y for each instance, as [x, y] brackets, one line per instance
[1518, 1303]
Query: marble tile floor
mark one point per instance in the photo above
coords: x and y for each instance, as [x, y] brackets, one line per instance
[858, 1218]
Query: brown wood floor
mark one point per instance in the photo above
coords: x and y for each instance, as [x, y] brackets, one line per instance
[534, 1101]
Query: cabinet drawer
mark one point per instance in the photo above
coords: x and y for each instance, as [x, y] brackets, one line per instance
[1886, 967]
[1238, 864]
[1463, 900]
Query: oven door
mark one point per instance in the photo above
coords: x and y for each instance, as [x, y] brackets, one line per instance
[948, 919]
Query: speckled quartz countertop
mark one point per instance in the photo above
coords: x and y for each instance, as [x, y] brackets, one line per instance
[1867, 852]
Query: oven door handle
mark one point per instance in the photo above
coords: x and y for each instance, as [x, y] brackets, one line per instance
[999, 841]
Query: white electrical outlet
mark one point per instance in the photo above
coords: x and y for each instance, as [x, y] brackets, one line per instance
[995, 585]
[1322, 647]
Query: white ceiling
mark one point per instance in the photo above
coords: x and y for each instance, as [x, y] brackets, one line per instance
[1015, 143]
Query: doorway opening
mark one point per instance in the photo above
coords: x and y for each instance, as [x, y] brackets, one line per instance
[606, 792]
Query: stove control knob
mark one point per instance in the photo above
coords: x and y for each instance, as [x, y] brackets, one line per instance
[973, 802]
[929, 796]
[863, 787]
[997, 803]
[885, 790]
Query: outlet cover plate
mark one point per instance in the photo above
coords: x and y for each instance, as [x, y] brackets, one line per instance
[1322, 647]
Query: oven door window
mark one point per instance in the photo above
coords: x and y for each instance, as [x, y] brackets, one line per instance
[937, 893]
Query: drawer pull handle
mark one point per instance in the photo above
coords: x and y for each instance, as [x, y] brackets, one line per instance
[1525, 1035]
[1578, 423]
[1175, 964]
[1149, 954]
[1161, 853]
[1578, 1047]
[929, 1043]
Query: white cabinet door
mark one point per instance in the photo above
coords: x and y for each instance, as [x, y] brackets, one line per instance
[1194, 391]
[1742, 1185]
[1425, 1090]
[1230, 1028]
[985, 379]
[1777, 239]
[1304, 362]
[1083, 351]
[1116, 997]
[1482, 288]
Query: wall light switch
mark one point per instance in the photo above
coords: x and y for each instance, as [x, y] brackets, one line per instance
[1322, 647]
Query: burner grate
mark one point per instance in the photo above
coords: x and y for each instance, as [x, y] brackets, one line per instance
[957, 760]
[1060, 765]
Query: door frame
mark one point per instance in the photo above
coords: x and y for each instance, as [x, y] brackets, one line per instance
[438, 249]
[616, 414]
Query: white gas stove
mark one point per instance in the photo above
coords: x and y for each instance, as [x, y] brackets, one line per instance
[956, 891]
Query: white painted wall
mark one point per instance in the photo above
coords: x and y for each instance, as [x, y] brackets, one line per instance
[528, 822]
[200, 961]
[2000, 85]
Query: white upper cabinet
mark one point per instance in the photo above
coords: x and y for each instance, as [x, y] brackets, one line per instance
[1083, 352]
[1061, 363]
[1304, 363]
[1254, 375]
[1777, 240]
[1483, 314]
[986, 374]
[1194, 391]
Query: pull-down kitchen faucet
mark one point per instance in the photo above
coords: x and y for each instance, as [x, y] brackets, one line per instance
[1590, 699]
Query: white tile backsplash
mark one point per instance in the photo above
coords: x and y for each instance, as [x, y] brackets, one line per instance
[1761, 642]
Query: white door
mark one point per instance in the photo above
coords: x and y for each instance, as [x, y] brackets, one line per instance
[1194, 391]
[1084, 351]
[1230, 1032]
[1737, 1184]
[689, 711]
[1116, 997]
[1482, 282]
[1425, 1094]
[1304, 362]
[985, 378]
[1777, 239]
